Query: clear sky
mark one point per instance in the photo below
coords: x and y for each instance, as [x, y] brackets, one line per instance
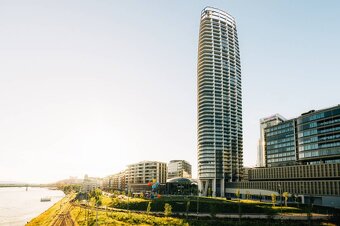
[91, 86]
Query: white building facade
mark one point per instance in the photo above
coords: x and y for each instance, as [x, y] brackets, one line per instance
[220, 138]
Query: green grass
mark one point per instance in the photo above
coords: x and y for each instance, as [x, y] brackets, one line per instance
[86, 217]
[82, 216]
[207, 204]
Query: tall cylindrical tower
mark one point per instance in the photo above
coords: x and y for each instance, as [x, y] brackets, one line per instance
[220, 142]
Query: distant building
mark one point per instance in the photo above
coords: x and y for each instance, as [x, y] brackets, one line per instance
[179, 168]
[91, 183]
[140, 174]
[70, 181]
[264, 123]
[116, 182]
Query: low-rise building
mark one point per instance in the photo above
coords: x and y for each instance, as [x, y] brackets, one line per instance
[181, 186]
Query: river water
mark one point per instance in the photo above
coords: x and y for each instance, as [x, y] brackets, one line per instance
[18, 206]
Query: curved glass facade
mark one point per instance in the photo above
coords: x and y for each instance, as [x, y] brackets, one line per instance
[220, 146]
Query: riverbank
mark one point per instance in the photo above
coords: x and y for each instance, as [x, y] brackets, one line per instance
[19, 205]
[76, 213]
[51, 214]
[66, 213]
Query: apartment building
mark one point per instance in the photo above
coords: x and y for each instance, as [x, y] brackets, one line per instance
[179, 168]
[141, 173]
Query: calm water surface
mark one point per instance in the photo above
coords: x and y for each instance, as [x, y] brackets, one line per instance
[18, 206]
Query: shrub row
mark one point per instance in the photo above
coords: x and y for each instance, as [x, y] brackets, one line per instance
[205, 206]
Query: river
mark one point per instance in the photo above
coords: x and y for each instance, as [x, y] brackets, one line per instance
[18, 206]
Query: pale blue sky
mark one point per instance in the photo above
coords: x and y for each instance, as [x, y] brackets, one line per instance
[91, 86]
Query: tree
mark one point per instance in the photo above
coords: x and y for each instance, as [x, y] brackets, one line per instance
[273, 199]
[148, 209]
[97, 196]
[285, 195]
[199, 192]
[238, 194]
[167, 210]
[116, 193]
[248, 195]
[209, 192]
[115, 202]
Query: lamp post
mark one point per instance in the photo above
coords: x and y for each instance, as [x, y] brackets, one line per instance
[96, 214]
[128, 197]
[238, 195]
[198, 199]
[280, 200]
[310, 206]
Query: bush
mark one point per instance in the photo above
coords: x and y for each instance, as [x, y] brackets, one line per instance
[148, 209]
[180, 204]
[167, 210]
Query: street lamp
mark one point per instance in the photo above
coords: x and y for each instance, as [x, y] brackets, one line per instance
[280, 200]
[198, 199]
[128, 197]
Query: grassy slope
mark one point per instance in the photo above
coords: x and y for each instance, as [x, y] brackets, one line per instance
[119, 218]
[179, 204]
[80, 214]
[47, 217]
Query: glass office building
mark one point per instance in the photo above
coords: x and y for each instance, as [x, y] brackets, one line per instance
[302, 158]
[319, 136]
[280, 144]
[312, 138]
[220, 146]
[264, 123]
